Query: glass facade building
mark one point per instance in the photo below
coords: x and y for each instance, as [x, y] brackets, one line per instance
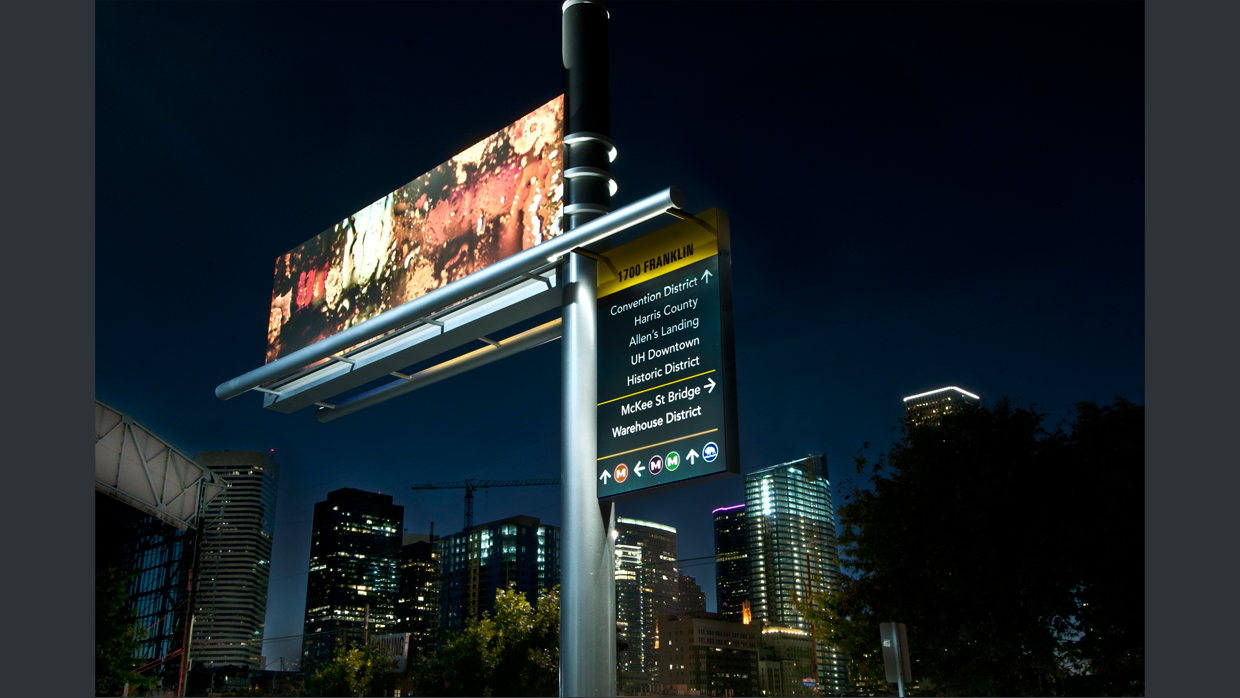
[645, 587]
[417, 609]
[235, 560]
[791, 530]
[354, 584]
[519, 550]
[731, 563]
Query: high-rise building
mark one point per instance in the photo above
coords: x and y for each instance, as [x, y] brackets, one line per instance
[235, 560]
[645, 587]
[691, 597]
[929, 408]
[702, 653]
[791, 529]
[520, 551]
[417, 608]
[731, 563]
[354, 580]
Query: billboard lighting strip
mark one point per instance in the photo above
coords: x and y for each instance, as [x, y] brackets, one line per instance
[501, 272]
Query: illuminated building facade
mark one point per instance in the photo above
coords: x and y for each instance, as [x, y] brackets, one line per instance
[701, 652]
[520, 551]
[645, 587]
[731, 563]
[235, 560]
[791, 530]
[929, 408]
[417, 607]
[354, 584]
[784, 662]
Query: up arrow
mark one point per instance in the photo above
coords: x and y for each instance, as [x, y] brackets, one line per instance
[692, 455]
[639, 468]
[710, 385]
[604, 477]
[706, 276]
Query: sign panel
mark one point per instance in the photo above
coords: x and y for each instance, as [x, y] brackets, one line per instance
[666, 363]
[501, 196]
[393, 650]
[890, 639]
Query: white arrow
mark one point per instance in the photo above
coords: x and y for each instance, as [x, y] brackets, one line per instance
[604, 476]
[692, 454]
[638, 468]
[710, 385]
[706, 276]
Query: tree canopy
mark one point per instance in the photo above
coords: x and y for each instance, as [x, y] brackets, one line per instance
[352, 671]
[1013, 554]
[515, 654]
[116, 637]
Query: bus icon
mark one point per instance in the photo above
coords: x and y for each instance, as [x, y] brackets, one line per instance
[710, 452]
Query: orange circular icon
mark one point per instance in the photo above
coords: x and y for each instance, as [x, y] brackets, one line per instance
[622, 472]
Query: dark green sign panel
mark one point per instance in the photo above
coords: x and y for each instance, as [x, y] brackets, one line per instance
[666, 368]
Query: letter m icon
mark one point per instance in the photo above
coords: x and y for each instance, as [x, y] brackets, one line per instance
[673, 460]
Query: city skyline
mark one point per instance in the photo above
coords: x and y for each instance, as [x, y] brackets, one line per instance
[1024, 171]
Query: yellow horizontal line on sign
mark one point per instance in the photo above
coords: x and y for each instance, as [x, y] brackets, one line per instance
[682, 438]
[659, 386]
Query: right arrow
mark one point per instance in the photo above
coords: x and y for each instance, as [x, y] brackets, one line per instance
[706, 276]
[604, 476]
[710, 385]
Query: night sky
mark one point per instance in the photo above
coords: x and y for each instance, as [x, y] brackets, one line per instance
[920, 196]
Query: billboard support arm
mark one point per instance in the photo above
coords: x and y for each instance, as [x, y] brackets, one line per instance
[525, 261]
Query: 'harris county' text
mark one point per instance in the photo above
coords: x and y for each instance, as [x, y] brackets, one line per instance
[656, 262]
[670, 417]
[657, 295]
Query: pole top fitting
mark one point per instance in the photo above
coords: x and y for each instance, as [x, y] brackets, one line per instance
[569, 3]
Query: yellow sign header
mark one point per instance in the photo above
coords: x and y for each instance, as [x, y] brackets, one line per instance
[658, 253]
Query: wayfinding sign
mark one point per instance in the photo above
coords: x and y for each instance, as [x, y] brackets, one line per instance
[666, 362]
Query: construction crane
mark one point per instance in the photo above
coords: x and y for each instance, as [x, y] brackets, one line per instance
[470, 485]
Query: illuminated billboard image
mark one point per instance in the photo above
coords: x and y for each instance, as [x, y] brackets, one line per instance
[499, 197]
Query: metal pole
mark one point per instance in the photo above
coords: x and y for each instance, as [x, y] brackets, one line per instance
[895, 644]
[587, 596]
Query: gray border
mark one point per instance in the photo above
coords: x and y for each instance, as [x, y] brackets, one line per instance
[49, 74]
[1191, 335]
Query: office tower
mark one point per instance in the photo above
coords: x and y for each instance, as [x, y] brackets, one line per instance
[703, 653]
[689, 592]
[417, 608]
[645, 587]
[520, 551]
[731, 563]
[235, 560]
[791, 529]
[929, 408]
[354, 571]
[784, 662]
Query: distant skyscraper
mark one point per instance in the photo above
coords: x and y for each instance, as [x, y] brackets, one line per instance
[645, 587]
[417, 607]
[235, 560]
[929, 408]
[354, 581]
[731, 563]
[707, 655]
[791, 529]
[518, 550]
[692, 598]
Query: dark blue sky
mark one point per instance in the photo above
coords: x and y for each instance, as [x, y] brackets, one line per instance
[920, 196]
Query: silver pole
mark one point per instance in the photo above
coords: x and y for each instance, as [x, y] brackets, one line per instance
[895, 644]
[587, 590]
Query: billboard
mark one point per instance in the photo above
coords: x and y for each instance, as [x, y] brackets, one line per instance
[393, 650]
[502, 195]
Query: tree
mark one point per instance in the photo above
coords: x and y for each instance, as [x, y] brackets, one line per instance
[116, 636]
[351, 672]
[1012, 553]
[515, 654]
